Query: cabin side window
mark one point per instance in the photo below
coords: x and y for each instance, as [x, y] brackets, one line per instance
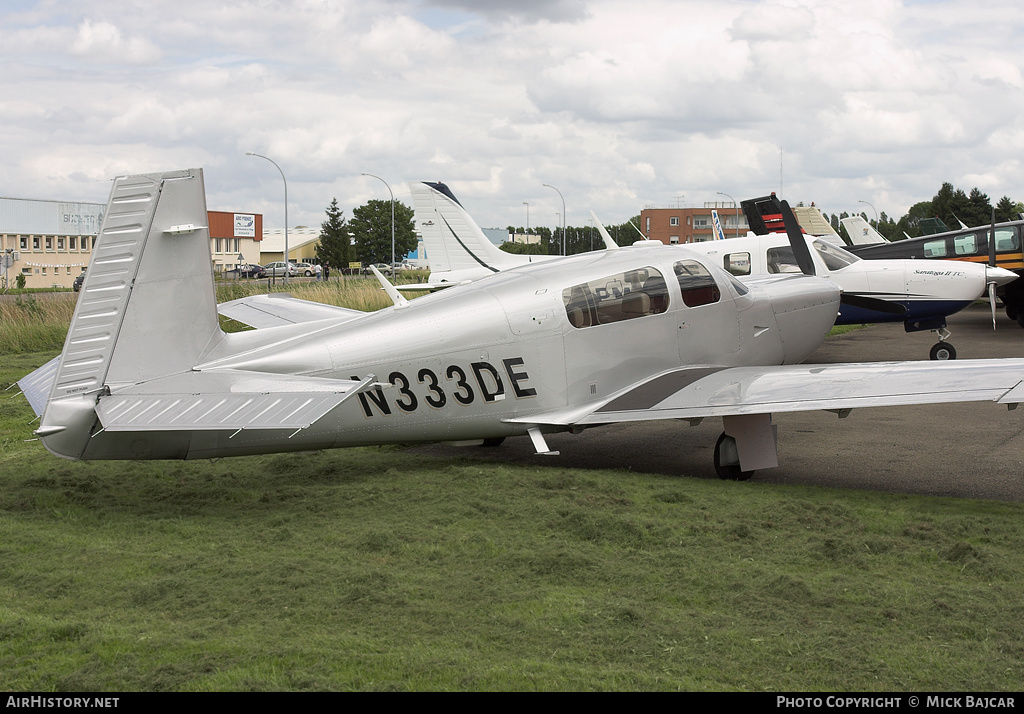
[696, 283]
[935, 248]
[737, 263]
[625, 296]
[966, 245]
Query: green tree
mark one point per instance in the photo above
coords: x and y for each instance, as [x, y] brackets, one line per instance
[1008, 210]
[523, 248]
[334, 248]
[371, 228]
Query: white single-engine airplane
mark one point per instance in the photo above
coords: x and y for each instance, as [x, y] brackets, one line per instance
[610, 336]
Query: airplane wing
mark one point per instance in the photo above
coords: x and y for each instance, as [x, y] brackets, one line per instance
[225, 399]
[708, 391]
[276, 309]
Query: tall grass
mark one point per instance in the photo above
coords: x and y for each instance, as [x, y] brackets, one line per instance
[29, 324]
[355, 292]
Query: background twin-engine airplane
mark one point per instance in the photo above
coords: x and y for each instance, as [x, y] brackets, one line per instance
[641, 333]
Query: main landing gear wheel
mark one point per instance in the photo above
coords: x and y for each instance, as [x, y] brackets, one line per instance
[1011, 310]
[727, 460]
[942, 351]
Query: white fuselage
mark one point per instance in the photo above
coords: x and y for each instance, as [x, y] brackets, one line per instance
[462, 363]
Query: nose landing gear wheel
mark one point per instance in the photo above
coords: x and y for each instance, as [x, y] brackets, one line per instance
[942, 351]
[727, 460]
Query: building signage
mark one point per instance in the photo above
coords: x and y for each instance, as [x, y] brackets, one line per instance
[245, 225]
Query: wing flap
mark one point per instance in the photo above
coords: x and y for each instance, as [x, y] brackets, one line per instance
[720, 391]
[226, 399]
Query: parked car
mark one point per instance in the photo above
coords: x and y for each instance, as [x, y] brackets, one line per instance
[279, 268]
[77, 285]
[384, 269]
[247, 270]
[305, 269]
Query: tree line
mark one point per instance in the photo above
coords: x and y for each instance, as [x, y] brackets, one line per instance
[949, 204]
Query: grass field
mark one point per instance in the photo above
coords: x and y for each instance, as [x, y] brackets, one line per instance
[382, 569]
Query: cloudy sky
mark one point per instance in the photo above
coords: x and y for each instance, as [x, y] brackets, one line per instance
[618, 104]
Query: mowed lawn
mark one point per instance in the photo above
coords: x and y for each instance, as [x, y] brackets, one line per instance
[380, 568]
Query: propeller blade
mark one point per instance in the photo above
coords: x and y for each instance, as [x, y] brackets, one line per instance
[992, 302]
[870, 303]
[796, 239]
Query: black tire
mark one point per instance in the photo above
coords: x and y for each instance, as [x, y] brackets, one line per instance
[493, 441]
[309, 273]
[728, 472]
[1011, 311]
[942, 351]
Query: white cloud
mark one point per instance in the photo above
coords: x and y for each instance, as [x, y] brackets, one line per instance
[103, 42]
[618, 104]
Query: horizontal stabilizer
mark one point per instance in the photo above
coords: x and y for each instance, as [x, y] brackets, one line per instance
[225, 399]
[37, 385]
[276, 309]
[693, 392]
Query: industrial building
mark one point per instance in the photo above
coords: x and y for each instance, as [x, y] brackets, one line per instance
[692, 224]
[51, 242]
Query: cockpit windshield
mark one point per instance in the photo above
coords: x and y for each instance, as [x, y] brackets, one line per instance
[835, 257]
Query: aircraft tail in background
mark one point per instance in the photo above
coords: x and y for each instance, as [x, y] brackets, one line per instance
[861, 232]
[456, 248]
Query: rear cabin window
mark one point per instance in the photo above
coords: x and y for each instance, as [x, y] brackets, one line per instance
[696, 283]
[737, 263]
[1007, 240]
[625, 296]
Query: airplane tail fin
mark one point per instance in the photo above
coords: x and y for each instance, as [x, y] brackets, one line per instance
[147, 308]
[719, 233]
[452, 239]
[861, 232]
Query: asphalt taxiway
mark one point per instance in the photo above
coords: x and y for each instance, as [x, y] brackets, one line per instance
[973, 450]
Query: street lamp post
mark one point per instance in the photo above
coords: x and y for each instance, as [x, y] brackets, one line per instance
[563, 213]
[392, 219]
[736, 206]
[527, 220]
[873, 209]
[250, 153]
